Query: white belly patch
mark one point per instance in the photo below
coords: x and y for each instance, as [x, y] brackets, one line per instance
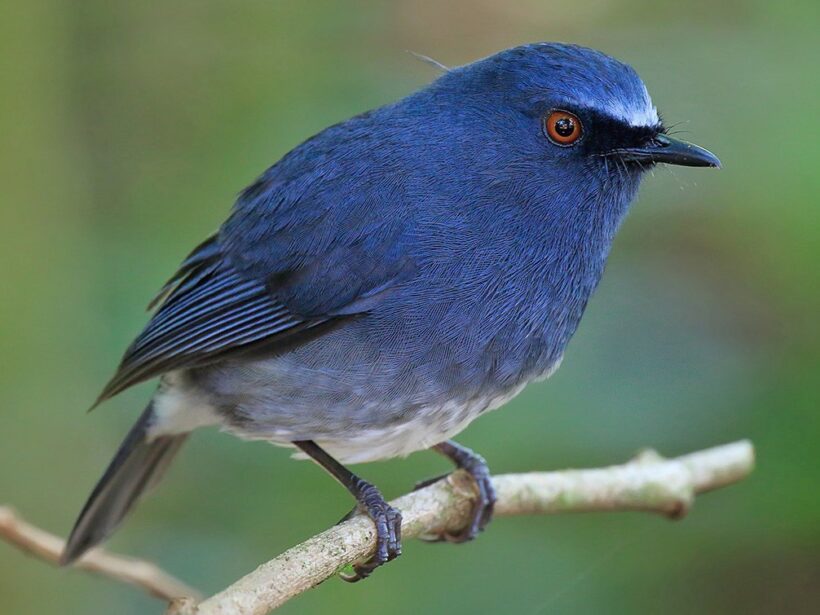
[428, 428]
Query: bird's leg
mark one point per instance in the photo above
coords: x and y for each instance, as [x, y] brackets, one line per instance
[476, 467]
[386, 518]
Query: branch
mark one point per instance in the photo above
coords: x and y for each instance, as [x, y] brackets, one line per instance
[39, 543]
[647, 483]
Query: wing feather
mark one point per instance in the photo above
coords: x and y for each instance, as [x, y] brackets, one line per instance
[208, 310]
[305, 245]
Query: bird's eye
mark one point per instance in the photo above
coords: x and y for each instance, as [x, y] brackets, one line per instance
[562, 127]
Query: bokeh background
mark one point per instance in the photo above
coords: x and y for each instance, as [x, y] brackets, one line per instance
[126, 129]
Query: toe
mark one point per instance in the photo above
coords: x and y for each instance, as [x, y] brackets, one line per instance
[388, 543]
[394, 534]
[482, 512]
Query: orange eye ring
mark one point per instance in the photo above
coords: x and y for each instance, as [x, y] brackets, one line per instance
[562, 127]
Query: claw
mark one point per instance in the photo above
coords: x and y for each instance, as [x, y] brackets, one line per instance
[483, 510]
[388, 540]
[388, 534]
[429, 481]
[477, 468]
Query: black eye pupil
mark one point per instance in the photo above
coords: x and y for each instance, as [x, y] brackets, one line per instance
[564, 127]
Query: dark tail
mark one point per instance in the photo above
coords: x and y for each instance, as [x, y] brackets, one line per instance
[138, 465]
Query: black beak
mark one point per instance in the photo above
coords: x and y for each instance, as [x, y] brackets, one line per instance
[663, 148]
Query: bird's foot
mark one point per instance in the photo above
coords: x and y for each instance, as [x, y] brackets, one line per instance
[477, 468]
[388, 532]
[485, 504]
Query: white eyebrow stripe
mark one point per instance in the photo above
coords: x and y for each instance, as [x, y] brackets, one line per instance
[644, 116]
[639, 118]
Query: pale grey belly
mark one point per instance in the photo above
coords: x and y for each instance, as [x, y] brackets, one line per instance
[182, 408]
[422, 429]
[351, 396]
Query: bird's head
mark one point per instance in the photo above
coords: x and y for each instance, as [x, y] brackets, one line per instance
[570, 118]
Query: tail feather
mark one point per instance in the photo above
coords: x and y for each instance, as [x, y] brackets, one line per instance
[137, 466]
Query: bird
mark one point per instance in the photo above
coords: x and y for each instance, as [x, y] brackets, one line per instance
[394, 277]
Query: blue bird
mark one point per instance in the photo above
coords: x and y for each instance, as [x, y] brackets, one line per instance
[396, 276]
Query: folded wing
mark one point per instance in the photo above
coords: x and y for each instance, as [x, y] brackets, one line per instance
[306, 245]
[208, 312]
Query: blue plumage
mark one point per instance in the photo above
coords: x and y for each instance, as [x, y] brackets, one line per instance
[399, 273]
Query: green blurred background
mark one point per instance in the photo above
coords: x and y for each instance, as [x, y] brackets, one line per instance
[127, 128]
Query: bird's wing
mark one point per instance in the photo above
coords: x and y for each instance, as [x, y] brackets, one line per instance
[319, 238]
[290, 287]
[328, 237]
[207, 312]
